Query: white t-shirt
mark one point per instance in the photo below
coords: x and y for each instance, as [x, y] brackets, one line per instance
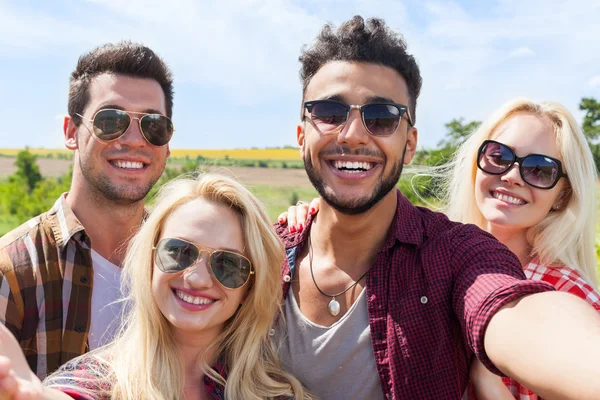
[106, 305]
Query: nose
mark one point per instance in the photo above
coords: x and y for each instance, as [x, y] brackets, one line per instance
[133, 137]
[354, 133]
[513, 175]
[199, 275]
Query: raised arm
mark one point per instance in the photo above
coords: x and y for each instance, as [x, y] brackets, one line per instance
[549, 342]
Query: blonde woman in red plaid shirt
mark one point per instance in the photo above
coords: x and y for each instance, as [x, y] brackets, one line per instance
[531, 183]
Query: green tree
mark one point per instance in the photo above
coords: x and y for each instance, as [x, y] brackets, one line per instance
[27, 168]
[457, 132]
[591, 126]
[591, 120]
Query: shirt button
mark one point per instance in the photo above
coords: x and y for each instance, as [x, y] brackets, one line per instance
[79, 329]
[83, 279]
[424, 300]
[287, 278]
[271, 332]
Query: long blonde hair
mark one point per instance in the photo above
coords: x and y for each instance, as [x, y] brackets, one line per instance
[564, 237]
[144, 360]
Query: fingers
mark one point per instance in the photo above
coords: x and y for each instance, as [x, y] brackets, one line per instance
[315, 205]
[8, 381]
[292, 218]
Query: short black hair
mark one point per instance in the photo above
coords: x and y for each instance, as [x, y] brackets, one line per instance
[359, 41]
[126, 58]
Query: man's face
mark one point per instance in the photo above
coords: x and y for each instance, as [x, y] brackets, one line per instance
[352, 169]
[123, 170]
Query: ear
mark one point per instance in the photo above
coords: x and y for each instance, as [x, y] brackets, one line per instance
[168, 151]
[563, 198]
[411, 144]
[70, 131]
[300, 138]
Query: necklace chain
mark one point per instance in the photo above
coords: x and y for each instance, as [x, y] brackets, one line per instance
[333, 296]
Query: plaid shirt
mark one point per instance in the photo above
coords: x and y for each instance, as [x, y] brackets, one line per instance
[79, 379]
[46, 287]
[565, 279]
[433, 289]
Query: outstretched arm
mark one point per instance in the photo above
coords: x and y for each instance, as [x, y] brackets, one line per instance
[550, 343]
[486, 385]
[17, 381]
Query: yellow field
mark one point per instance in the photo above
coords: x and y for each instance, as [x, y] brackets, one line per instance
[236, 154]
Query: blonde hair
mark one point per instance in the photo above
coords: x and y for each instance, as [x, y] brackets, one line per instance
[144, 360]
[563, 237]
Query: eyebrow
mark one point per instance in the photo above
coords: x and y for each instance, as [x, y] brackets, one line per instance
[370, 99]
[203, 246]
[117, 107]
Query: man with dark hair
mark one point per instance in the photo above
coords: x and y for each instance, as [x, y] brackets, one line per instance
[60, 272]
[387, 300]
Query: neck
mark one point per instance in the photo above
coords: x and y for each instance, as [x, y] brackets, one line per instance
[352, 241]
[515, 240]
[108, 225]
[192, 347]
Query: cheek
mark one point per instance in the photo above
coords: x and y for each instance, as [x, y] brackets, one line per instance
[482, 183]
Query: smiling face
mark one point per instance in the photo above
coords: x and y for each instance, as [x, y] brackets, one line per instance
[506, 201]
[192, 300]
[352, 169]
[125, 169]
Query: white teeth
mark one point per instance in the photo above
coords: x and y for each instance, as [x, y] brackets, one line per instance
[508, 199]
[128, 164]
[353, 167]
[193, 299]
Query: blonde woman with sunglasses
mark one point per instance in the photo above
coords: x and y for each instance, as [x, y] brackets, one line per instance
[527, 176]
[203, 281]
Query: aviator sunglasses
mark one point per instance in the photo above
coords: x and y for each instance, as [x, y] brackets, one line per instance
[111, 124]
[231, 269]
[379, 118]
[537, 170]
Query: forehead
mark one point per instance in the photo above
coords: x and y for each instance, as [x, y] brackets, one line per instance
[357, 83]
[122, 91]
[206, 223]
[527, 134]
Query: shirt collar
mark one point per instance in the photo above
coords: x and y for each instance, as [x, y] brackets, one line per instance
[406, 227]
[64, 223]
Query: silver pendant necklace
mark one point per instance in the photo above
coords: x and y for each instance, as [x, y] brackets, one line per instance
[334, 305]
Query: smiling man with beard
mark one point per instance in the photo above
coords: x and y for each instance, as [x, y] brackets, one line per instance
[60, 272]
[387, 300]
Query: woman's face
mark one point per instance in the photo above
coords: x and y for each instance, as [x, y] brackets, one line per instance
[192, 300]
[506, 201]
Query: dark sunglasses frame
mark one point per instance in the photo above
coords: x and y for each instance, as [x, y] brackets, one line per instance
[201, 250]
[131, 118]
[516, 159]
[402, 111]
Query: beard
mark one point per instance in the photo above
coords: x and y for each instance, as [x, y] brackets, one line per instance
[103, 188]
[361, 204]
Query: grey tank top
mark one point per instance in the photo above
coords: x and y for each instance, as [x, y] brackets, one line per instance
[333, 362]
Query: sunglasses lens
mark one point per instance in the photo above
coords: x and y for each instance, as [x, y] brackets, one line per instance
[539, 171]
[157, 129]
[110, 124]
[495, 158]
[230, 269]
[382, 119]
[327, 116]
[174, 255]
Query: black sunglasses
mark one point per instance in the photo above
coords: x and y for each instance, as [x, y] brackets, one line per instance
[537, 170]
[111, 124]
[231, 269]
[380, 119]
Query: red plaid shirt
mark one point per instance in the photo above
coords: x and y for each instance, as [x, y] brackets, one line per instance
[433, 289]
[565, 279]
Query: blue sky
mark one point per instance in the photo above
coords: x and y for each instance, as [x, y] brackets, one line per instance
[240, 58]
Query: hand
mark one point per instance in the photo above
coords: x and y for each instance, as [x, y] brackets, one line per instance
[17, 381]
[297, 215]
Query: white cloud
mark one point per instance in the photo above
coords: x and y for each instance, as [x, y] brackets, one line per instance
[594, 82]
[521, 52]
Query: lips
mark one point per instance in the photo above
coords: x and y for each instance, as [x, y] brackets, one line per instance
[196, 300]
[352, 166]
[507, 198]
[127, 164]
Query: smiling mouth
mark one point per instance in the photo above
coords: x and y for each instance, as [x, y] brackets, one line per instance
[127, 164]
[196, 300]
[352, 166]
[508, 199]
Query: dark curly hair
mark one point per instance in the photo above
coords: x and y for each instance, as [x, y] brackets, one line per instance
[359, 41]
[126, 58]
